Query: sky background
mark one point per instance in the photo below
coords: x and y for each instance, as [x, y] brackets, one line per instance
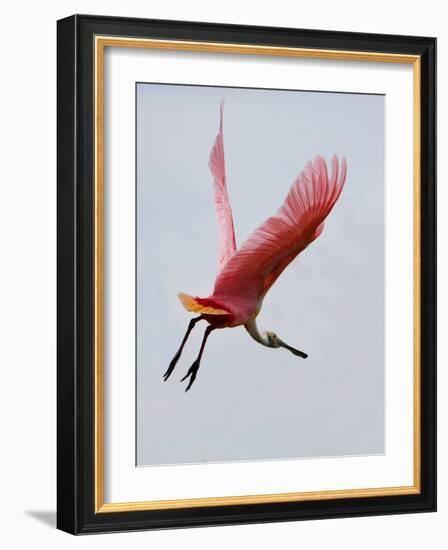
[250, 402]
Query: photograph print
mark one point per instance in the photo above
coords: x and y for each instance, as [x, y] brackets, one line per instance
[259, 274]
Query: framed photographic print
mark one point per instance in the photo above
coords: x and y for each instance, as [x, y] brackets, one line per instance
[246, 274]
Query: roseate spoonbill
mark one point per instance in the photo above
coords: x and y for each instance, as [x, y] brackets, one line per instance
[245, 275]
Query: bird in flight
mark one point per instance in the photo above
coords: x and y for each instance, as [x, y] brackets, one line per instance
[246, 274]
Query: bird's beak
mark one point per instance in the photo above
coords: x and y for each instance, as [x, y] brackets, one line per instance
[291, 349]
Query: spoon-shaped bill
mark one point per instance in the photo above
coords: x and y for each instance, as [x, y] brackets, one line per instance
[291, 349]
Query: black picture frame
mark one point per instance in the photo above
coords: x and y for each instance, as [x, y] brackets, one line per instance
[76, 512]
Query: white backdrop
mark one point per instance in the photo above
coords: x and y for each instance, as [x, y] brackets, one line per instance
[27, 292]
[126, 483]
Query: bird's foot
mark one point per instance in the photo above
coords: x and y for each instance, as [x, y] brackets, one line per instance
[171, 367]
[192, 372]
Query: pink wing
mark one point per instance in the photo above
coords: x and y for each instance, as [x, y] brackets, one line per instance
[227, 244]
[252, 270]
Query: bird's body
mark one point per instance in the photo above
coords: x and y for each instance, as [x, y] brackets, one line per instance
[246, 274]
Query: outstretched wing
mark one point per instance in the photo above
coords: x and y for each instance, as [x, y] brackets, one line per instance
[252, 270]
[227, 244]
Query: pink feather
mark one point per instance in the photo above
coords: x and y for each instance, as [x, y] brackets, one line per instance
[251, 271]
[227, 243]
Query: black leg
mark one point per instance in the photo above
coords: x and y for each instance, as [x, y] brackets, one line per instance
[179, 351]
[193, 370]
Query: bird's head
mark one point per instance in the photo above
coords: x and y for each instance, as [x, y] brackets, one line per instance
[275, 342]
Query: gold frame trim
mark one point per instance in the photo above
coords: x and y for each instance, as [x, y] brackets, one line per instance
[101, 42]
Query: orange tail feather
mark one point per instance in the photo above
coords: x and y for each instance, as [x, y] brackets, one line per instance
[194, 305]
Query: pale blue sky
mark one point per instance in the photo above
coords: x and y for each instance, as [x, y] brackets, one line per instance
[250, 402]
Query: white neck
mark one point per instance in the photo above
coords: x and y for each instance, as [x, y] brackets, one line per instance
[258, 336]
